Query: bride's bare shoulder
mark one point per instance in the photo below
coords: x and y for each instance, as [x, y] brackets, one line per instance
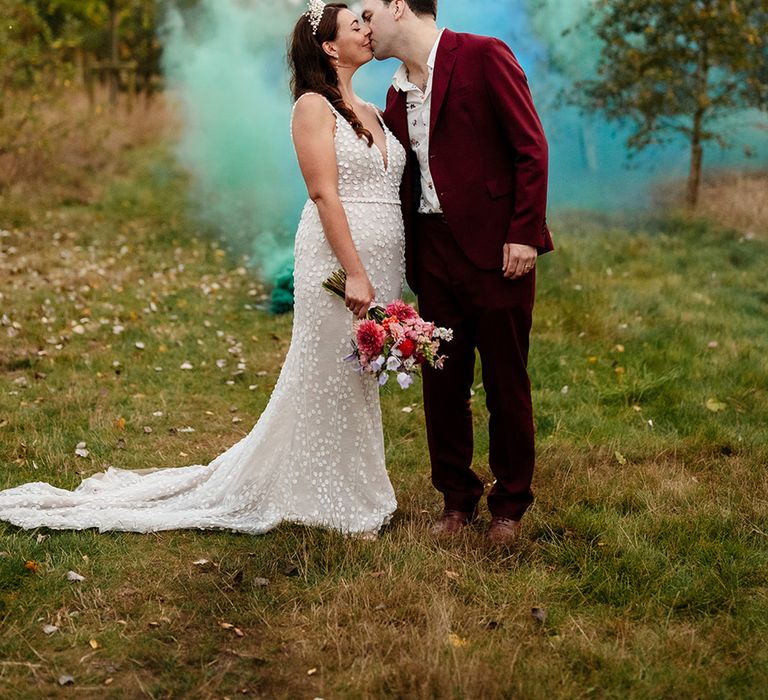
[310, 106]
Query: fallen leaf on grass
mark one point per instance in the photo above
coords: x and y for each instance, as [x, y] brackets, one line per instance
[620, 458]
[539, 614]
[260, 582]
[229, 626]
[74, 576]
[120, 423]
[94, 644]
[66, 680]
[32, 566]
[715, 406]
[80, 450]
[50, 629]
[457, 641]
[453, 575]
[311, 671]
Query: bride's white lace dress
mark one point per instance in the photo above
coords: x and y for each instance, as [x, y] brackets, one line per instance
[316, 455]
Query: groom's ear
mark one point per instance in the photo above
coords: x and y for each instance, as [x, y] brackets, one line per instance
[400, 7]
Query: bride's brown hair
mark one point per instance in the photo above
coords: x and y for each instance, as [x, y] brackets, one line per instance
[311, 67]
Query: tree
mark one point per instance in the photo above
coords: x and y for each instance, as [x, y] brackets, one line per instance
[677, 67]
[111, 34]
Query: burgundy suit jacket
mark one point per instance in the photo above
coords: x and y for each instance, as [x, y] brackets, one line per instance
[487, 152]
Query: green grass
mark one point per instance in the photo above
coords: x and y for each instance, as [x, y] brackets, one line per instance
[646, 545]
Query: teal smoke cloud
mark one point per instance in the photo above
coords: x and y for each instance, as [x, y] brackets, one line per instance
[225, 60]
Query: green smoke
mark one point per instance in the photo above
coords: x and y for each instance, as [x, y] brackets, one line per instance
[225, 63]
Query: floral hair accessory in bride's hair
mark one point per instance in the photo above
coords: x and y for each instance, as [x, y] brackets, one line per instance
[314, 14]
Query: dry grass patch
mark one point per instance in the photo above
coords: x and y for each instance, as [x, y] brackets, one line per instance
[737, 201]
[68, 140]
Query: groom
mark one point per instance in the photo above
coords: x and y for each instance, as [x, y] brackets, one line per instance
[474, 200]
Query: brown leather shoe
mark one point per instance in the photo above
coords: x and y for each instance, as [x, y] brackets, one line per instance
[451, 522]
[503, 531]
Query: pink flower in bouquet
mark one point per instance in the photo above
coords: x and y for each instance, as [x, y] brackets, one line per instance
[370, 338]
[400, 310]
[393, 327]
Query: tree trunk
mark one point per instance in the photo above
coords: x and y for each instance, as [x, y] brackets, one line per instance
[697, 154]
[114, 75]
[702, 78]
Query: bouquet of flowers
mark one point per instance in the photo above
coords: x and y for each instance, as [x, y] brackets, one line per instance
[392, 339]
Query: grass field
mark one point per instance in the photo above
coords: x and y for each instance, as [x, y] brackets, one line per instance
[646, 550]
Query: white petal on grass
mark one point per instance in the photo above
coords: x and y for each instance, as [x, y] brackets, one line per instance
[74, 576]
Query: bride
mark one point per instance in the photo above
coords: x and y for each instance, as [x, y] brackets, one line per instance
[316, 455]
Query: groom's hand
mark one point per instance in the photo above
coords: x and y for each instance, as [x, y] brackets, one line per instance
[519, 260]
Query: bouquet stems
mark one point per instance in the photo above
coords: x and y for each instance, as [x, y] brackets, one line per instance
[337, 284]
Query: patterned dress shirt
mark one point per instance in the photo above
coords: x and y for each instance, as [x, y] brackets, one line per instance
[418, 104]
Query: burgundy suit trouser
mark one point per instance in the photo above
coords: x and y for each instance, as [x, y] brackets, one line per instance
[491, 314]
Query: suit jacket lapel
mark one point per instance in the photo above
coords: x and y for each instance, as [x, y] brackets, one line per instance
[396, 117]
[444, 61]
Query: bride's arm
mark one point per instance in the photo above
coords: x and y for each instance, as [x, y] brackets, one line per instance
[313, 137]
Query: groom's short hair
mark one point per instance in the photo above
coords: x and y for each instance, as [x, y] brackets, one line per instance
[420, 7]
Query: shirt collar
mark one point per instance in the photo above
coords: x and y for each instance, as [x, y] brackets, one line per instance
[400, 79]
